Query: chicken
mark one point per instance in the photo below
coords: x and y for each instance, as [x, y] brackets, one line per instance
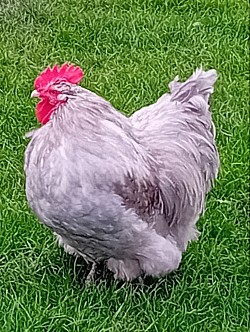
[126, 191]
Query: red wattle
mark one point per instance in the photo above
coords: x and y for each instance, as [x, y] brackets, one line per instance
[44, 109]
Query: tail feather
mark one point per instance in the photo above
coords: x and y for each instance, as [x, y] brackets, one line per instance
[200, 83]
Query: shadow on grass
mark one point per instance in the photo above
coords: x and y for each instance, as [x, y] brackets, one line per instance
[79, 270]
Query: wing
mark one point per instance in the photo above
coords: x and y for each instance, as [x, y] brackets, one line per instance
[160, 208]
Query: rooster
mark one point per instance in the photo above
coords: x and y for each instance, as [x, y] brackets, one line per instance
[126, 191]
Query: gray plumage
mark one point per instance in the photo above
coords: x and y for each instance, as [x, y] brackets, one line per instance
[127, 191]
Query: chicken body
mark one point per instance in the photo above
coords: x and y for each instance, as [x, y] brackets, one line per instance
[127, 191]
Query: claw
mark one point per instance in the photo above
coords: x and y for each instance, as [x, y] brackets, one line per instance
[91, 275]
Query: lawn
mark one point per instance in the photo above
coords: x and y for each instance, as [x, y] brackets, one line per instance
[129, 50]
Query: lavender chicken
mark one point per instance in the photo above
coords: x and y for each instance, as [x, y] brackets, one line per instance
[126, 191]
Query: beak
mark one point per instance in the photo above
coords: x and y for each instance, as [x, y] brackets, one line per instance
[34, 94]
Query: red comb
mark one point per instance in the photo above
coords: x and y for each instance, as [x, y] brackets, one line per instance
[68, 72]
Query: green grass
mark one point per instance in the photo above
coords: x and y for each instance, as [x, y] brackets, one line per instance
[130, 51]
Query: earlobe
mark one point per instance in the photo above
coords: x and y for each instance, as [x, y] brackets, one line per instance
[62, 97]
